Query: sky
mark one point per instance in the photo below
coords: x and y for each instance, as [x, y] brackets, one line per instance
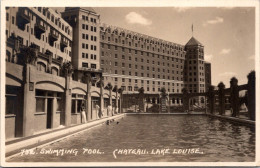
[228, 34]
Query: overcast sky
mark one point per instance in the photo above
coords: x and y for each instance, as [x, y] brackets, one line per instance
[228, 34]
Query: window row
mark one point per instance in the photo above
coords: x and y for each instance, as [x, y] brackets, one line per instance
[92, 56]
[92, 28]
[147, 41]
[93, 20]
[92, 47]
[86, 65]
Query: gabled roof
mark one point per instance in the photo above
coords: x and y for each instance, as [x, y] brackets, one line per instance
[193, 41]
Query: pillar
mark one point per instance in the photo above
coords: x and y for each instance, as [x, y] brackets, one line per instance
[121, 102]
[110, 97]
[29, 102]
[54, 123]
[185, 98]
[67, 100]
[89, 104]
[211, 96]
[221, 96]
[251, 95]
[101, 101]
[116, 99]
[234, 95]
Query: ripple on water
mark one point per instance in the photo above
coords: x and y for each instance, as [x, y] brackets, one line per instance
[219, 140]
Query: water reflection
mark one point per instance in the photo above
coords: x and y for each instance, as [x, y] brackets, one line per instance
[219, 140]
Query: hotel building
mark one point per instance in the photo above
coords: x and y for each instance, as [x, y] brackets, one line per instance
[57, 63]
[47, 80]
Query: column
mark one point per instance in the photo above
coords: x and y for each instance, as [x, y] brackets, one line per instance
[185, 100]
[54, 123]
[89, 104]
[29, 103]
[117, 99]
[101, 101]
[67, 100]
[234, 95]
[251, 95]
[221, 96]
[211, 96]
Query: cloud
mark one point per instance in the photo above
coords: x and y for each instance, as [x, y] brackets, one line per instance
[136, 18]
[228, 74]
[252, 57]
[181, 9]
[208, 57]
[214, 21]
[225, 51]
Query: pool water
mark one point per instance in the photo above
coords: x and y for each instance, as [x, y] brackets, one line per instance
[154, 138]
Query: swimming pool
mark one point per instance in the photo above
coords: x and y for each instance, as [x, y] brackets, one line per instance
[153, 138]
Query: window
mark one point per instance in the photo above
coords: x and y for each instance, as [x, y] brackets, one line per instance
[85, 65]
[10, 104]
[12, 20]
[40, 104]
[93, 66]
[7, 16]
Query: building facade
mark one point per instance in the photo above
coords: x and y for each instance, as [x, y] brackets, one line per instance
[133, 60]
[57, 63]
[43, 90]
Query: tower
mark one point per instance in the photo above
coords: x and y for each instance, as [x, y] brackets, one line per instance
[85, 53]
[194, 69]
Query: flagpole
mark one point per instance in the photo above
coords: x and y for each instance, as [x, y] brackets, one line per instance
[192, 29]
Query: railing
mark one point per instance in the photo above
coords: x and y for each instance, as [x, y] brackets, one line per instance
[91, 70]
[39, 28]
[54, 35]
[63, 42]
[25, 17]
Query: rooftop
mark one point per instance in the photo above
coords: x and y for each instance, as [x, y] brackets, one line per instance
[193, 41]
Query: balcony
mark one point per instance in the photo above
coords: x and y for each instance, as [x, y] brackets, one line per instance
[57, 60]
[23, 17]
[39, 27]
[54, 36]
[63, 42]
[90, 70]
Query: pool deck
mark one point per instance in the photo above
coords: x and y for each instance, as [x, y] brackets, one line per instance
[15, 146]
[233, 119]
[180, 113]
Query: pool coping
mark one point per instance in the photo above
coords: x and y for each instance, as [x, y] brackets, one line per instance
[29, 143]
[233, 119]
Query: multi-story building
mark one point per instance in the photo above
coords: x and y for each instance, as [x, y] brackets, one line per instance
[85, 46]
[42, 27]
[132, 60]
[41, 92]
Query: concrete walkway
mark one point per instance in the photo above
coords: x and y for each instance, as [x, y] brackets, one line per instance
[180, 113]
[234, 119]
[15, 146]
